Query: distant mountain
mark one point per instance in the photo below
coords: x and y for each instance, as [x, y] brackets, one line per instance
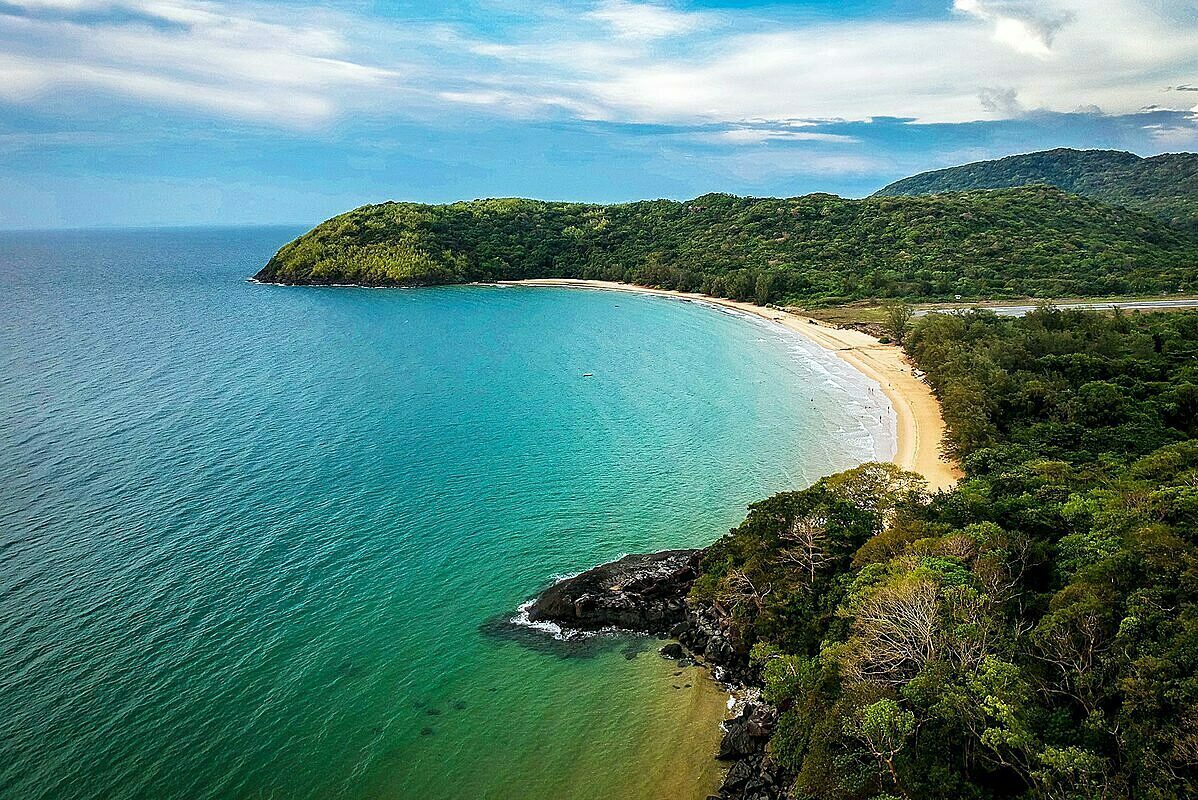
[820, 249]
[1165, 186]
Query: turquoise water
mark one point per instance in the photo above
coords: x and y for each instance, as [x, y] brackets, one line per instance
[261, 541]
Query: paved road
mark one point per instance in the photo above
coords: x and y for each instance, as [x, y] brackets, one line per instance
[1019, 311]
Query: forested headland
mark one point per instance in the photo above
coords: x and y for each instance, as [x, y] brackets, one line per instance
[1031, 633]
[813, 250]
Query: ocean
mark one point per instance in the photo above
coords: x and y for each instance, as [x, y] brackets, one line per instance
[267, 542]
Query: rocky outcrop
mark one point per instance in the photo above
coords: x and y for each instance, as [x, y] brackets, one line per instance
[648, 593]
[639, 592]
[706, 637]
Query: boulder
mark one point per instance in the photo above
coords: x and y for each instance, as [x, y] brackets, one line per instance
[673, 650]
[738, 776]
[747, 733]
[754, 777]
[718, 651]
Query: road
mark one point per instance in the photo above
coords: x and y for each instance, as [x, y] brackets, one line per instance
[1101, 305]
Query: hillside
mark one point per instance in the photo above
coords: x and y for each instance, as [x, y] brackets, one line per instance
[1031, 241]
[1165, 186]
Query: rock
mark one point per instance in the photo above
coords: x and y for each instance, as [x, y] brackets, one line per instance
[719, 651]
[648, 593]
[754, 777]
[672, 650]
[747, 733]
[739, 775]
[695, 639]
[638, 592]
[758, 786]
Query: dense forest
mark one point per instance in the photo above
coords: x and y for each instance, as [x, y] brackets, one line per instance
[813, 250]
[1165, 186]
[1032, 633]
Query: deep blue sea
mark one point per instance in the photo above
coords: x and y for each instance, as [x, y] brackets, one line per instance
[264, 542]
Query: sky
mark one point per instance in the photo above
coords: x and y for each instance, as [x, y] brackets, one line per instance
[198, 112]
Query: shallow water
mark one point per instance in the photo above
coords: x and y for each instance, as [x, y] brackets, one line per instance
[261, 541]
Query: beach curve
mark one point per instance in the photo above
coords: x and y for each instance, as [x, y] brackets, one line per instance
[920, 427]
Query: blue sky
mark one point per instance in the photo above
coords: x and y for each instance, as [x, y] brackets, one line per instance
[170, 112]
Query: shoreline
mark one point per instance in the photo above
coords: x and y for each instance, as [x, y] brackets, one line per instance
[919, 430]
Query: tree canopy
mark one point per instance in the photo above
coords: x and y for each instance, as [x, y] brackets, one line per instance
[1032, 633]
[1165, 186]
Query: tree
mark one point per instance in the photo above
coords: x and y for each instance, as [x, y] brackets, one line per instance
[738, 589]
[765, 285]
[896, 630]
[883, 727]
[897, 321]
[877, 487]
[805, 543]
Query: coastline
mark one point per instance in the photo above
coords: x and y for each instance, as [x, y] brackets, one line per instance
[920, 428]
[918, 439]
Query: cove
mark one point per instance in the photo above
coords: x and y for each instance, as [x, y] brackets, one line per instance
[264, 541]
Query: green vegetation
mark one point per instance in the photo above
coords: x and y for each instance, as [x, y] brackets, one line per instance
[1032, 633]
[813, 250]
[1165, 186]
[897, 321]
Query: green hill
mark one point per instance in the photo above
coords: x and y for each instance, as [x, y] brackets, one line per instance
[1164, 186]
[1031, 241]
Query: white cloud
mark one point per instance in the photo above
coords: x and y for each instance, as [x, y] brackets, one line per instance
[243, 64]
[1175, 136]
[635, 20]
[993, 59]
[751, 136]
[621, 61]
[1022, 26]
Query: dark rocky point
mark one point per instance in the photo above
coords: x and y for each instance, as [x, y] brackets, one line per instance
[639, 592]
[648, 594]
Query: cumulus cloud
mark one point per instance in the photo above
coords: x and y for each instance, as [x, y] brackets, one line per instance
[1004, 102]
[1024, 27]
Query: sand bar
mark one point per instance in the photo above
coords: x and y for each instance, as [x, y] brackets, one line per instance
[920, 431]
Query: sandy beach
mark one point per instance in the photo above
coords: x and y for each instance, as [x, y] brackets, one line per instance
[920, 426]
